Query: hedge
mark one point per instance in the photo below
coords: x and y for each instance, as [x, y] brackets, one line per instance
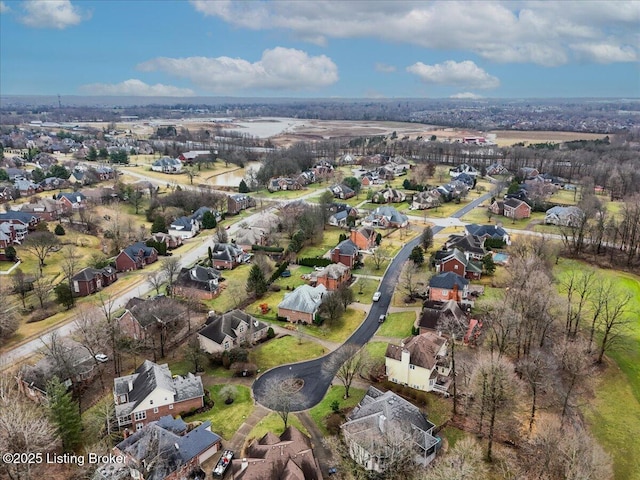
[260, 248]
[314, 262]
[283, 266]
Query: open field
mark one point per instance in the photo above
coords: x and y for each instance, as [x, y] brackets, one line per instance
[509, 137]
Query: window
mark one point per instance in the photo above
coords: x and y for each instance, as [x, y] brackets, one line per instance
[139, 426]
[226, 345]
[412, 367]
[155, 409]
[455, 267]
[139, 416]
[150, 402]
[171, 407]
[241, 329]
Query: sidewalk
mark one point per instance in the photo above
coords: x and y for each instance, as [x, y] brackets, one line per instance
[237, 441]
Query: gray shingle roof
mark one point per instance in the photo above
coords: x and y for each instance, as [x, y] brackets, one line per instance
[220, 326]
[304, 299]
[448, 280]
[423, 349]
[227, 252]
[492, 231]
[347, 247]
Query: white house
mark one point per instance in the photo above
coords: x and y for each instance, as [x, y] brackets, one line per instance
[167, 165]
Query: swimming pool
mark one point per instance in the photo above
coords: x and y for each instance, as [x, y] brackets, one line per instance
[500, 257]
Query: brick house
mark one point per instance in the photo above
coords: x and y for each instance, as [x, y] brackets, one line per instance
[455, 261]
[182, 452]
[197, 282]
[152, 392]
[239, 202]
[227, 256]
[332, 276]
[289, 456]
[171, 241]
[342, 191]
[230, 330]
[20, 219]
[9, 235]
[420, 362]
[91, 280]
[135, 257]
[364, 238]
[448, 286]
[516, 209]
[45, 209]
[386, 217]
[472, 246]
[302, 304]
[72, 201]
[346, 252]
[138, 320]
[495, 232]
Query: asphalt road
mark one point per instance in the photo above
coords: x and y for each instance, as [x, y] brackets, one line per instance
[317, 374]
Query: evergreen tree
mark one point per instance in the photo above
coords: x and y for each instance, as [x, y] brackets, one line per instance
[243, 188]
[10, 253]
[64, 295]
[65, 414]
[427, 238]
[256, 283]
[417, 255]
[488, 264]
[378, 239]
[159, 225]
[209, 220]
[92, 156]
[59, 230]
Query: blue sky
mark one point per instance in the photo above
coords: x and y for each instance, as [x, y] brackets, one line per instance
[320, 48]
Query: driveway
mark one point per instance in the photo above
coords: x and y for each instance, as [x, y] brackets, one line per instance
[317, 374]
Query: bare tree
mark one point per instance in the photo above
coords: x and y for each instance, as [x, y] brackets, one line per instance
[195, 355]
[70, 262]
[331, 308]
[41, 244]
[347, 363]
[9, 323]
[463, 462]
[41, 288]
[21, 285]
[409, 280]
[578, 285]
[106, 304]
[534, 371]
[280, 394]
[221, 234]
[92, 333]
[614, 321]
[155, 280]
[455, 330]
[378, 256]
[170, 266]
[495, 385]
[24, 428]
[575, 367]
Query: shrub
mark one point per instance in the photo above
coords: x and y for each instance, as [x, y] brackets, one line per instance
[335, 406]
[59, 230]
[333, 423]
[314, 262]
[261, 248]
[271, 333]
[274, 288]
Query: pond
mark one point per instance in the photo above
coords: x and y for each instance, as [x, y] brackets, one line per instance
[233, 178]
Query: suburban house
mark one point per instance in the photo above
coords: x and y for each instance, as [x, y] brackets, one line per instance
[495, 232]
[388, 195]
[26, 219]
[472, 246]
[457, 262]
[425, 200]
[564, 216]
[45, 209]
[435, 313]
[302, 304]
[364, 238]
[167, 165]
[191, 155]
[78, 177]
[341, 191]
[420, 362]
[197, 282]
[448, 286]
[464, 168]
[386, 217]
[91, 280]
[227, 256]
[137, 322]
[163, 450]
[53, 183]
[332, 276]
[135, 257]
[516, 209]
[6, 193]
[230, 330]
[8, 234]
[283, 183]
[171, 241]
[379, 422]
[339, 219]
[346, 252]
[71, 201]
[198, 215]
[26, 187]
[184, 227]
[237, 203]
[289, 456]
[152, 392]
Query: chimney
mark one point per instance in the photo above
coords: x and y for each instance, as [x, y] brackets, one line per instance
[455, 292]
[381, 422]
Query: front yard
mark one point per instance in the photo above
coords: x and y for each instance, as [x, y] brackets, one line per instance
[398, 325]
[227, 419]
[287, 349]
[338, 333]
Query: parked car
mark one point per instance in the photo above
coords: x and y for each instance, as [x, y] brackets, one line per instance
[382, 318]
[376, 296]
[101, 357]
[286, 274]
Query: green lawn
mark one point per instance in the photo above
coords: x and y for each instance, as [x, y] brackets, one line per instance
[322, 410]
[339, 332]
[227, 419]
[364, 288]
[329, 240]
[182, 367]
[369, 267]
[614, 415]
[397, 325]
[288, 349]
[376, 350]
[273, 423]
[234, 290]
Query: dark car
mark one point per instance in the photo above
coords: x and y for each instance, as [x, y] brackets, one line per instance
[286, 274]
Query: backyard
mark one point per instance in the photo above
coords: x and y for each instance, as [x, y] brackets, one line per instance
[227, 419]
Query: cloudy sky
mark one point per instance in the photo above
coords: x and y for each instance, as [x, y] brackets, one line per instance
[320, 48]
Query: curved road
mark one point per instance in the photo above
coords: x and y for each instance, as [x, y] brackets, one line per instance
[316, 374]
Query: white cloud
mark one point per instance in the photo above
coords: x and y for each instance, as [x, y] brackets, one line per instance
[605, 53]
[4, 8]
[540, 32]
[58, 14]
[467, 96]
[384, 68]
[136, 88]
[464, 74]
[278, 69]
